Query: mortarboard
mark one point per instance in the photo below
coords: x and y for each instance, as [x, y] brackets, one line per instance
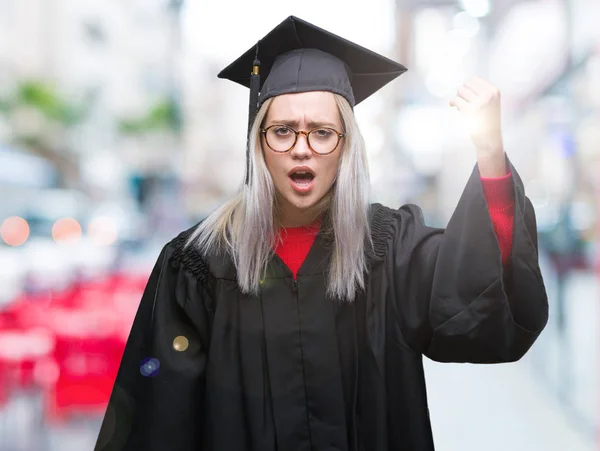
[297, 56]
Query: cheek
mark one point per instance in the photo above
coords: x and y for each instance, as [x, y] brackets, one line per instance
[274, 164]
[330, 170]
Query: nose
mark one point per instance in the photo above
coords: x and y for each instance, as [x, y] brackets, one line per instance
[301, 149]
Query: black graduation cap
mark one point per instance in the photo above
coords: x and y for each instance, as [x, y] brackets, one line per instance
[297, 56]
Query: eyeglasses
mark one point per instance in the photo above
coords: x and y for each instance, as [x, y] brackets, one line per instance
[321, 140]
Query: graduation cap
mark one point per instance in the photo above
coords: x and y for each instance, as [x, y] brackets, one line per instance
[297, 56]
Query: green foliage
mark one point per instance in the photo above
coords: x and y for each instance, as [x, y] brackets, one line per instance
[163, 116]
[45, 98]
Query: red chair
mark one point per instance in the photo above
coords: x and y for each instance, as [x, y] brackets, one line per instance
[87, 353]
[88, 323]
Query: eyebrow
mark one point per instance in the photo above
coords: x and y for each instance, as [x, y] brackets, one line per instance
[311, 124]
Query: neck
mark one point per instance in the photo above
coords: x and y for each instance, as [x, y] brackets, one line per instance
[299, 222]
[299, 217]
[291, 216]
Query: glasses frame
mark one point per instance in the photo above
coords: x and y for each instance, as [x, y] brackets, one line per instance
[340, 136]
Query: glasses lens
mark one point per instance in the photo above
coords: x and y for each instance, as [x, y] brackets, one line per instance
[323, 140]
[280, 138]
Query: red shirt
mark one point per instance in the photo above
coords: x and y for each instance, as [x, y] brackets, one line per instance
[296, 242]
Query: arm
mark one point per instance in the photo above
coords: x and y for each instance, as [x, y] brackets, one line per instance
[498, 193]
[161, 410]
[479, 104]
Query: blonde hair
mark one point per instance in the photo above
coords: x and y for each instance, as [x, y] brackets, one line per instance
[246, 226]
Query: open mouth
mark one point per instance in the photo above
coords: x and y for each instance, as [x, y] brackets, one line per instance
[302, 179]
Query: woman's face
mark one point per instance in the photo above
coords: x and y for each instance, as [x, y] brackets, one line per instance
[299, 192]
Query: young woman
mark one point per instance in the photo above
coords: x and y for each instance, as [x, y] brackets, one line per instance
[295, 317]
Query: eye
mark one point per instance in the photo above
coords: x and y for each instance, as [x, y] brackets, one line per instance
[322, 133]
[282, 131]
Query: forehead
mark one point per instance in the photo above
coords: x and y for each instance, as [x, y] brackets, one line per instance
[315, 106]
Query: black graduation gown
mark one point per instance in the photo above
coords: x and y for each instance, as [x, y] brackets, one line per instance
[292, 370]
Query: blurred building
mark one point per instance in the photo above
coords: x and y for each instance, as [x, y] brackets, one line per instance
[119, 58]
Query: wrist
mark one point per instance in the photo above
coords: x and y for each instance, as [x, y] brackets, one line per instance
[492, 163]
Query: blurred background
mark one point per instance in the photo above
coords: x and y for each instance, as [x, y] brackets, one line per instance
[115, 135]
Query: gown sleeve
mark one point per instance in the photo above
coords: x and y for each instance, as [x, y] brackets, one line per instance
[454, 298]
[157, 398]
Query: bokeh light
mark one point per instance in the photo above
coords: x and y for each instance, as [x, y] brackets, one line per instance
[66, 230]
[46, 372]
[476, 8]
[102, 230]
[466, 24]
[150, 367]
[14, 231]
[180, 343]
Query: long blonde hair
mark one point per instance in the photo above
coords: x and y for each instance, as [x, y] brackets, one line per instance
[246, 226]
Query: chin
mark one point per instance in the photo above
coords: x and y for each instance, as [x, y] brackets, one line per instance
[302, 202]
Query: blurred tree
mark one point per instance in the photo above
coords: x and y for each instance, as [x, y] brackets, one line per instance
[163, 116]
[40, 119]
[48, 101]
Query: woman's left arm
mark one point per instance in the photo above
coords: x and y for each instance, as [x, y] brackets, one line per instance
[459, 298]
[479, 103]
[505, 318]
[498, 193]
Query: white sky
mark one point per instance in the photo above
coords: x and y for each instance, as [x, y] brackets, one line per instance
[226, 29]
